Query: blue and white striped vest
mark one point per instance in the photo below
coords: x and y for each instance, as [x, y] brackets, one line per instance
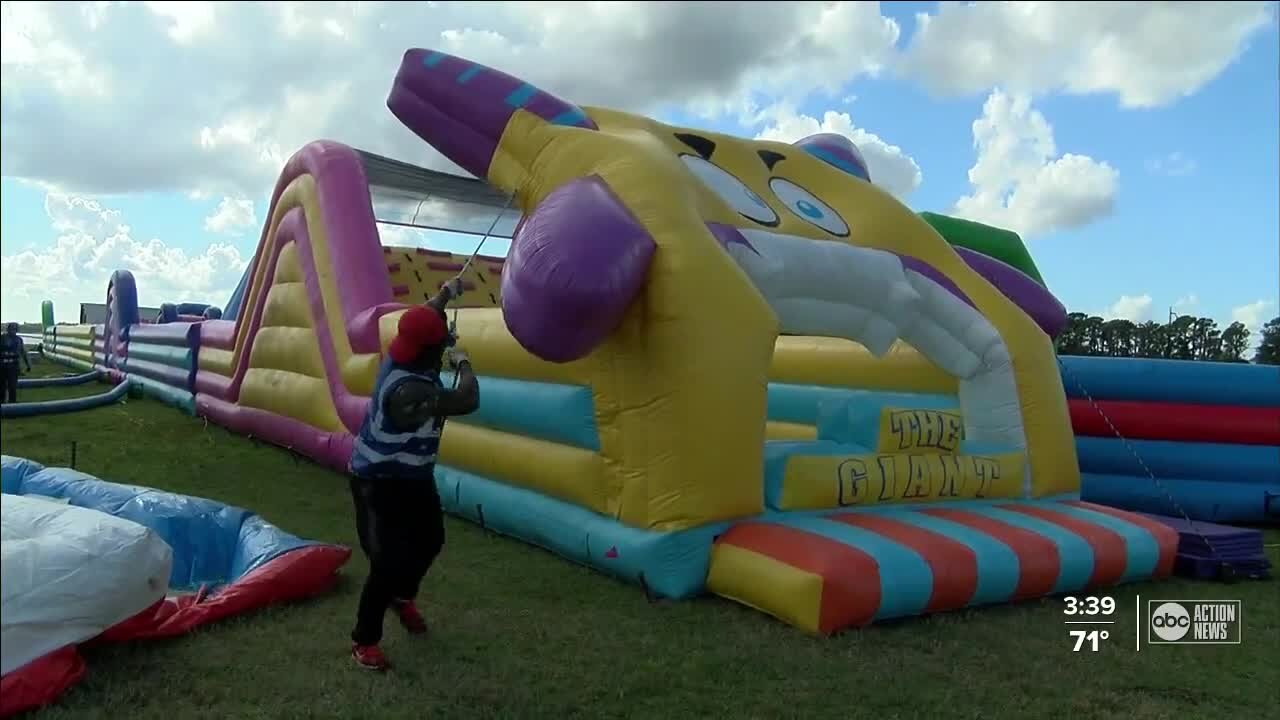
[382, 452]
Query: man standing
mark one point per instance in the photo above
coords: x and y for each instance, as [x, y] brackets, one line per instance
[12, 351]
[398, 514]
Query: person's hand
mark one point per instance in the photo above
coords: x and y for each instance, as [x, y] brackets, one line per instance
[454, 286]
[457, 357]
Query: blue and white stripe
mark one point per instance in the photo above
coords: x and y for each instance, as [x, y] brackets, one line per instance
[379, 450]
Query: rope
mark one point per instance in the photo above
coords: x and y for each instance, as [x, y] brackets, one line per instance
[453, 325]
[1213, 552]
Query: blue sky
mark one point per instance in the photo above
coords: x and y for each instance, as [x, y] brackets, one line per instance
[1204, 224]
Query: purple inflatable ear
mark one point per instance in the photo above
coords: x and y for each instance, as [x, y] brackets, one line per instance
[462, 108]
[575, 265]
[837, 151]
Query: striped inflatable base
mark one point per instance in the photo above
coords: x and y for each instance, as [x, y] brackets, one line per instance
[826, 572]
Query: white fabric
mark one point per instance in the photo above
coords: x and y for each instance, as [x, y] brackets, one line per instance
[831, 288]
[68, 573]
[834, 289]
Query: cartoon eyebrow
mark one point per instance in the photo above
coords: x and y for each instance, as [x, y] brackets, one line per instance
[770, 157]
[699, 144]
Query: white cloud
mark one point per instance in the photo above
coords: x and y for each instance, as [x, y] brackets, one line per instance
[1146, 53]
[213, 97]
[1019, 181]
[1175, 164]
[231, 216]
[890, 167]
[94, 241]
[1134, 308]
[1254, 314]
[1186, 304]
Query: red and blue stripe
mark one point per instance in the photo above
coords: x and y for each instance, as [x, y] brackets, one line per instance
[897, 562]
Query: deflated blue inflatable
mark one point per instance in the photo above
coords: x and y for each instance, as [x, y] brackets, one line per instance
[66, 405]
[64, 381]
[213, 544]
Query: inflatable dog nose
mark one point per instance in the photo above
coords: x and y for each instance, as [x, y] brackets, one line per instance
[461, 108]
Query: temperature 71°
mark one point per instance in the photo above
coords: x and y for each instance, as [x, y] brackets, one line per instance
[1092, 637]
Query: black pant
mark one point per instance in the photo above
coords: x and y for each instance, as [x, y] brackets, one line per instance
[401, 528]
[10, 383]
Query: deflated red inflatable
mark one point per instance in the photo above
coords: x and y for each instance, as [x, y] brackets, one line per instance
[107, 564]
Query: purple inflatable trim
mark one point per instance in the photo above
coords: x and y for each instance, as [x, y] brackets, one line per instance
[173, 376]
[218, 333]
[211, 383]
[837, 151]
[364, 327]
[462, 108]
[1026, 293]
[360, 274]
[934, 274]
[180, 334]
[330, 448]
[351, 408]
[573, 269]
[729, 235]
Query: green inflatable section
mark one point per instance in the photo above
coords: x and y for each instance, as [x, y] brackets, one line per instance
[1003, 245]
[46, 314]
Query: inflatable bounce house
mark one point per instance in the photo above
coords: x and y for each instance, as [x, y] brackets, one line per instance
[706, 364]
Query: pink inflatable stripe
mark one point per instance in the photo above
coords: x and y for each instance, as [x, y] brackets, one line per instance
[330, 448]
[211, 383]
[292, 228]
[166, 334]
[219, 334]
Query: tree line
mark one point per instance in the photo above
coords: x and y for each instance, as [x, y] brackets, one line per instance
[1186, 337]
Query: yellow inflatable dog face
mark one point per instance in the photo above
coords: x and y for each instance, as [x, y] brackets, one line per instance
[798, 219]
[768, 185]
[626, 215]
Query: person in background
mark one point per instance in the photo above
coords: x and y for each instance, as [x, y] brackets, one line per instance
[12, 352]
[398, 514]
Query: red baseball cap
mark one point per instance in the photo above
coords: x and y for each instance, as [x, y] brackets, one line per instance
[419, 327]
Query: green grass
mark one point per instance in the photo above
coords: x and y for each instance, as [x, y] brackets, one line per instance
[520, 633]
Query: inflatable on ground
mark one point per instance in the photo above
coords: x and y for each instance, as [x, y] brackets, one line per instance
[706, 362]
[87, 559]
[66, 405]
[1209, 434]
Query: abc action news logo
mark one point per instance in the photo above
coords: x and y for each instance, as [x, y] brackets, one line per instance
[1193, 622]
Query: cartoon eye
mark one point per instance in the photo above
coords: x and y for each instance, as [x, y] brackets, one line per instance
[732, 190]
[807, 207]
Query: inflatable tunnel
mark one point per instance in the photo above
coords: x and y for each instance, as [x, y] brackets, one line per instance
[706, 363]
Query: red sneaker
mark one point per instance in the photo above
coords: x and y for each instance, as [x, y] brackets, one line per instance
[409, 616]
[369, 657]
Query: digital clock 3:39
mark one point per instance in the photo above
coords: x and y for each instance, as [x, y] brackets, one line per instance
[1088, 605]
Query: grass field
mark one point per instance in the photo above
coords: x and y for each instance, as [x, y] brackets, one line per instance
[519, 633]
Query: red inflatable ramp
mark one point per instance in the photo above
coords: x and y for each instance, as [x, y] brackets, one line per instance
[1177, 422]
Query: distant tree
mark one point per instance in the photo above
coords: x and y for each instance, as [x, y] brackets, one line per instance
[1150, 339]
[1180, 338]
[1118, 338]
[1269, 349]
[1185, 338]
[1071, 340]
[1205, 339]
[1235, 340]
